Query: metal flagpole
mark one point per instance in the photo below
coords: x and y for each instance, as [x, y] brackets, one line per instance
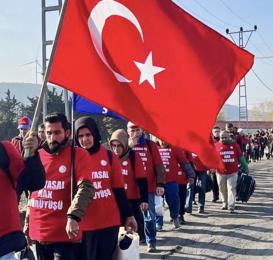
[72, 170]
[46, 76]
[45, 80]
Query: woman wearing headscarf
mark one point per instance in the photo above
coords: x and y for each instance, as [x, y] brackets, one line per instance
[109, 208]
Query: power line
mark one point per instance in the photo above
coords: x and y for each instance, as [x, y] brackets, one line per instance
[243, 20]
[197, 16]
[265, 43]
[264, 57]
[212, 14]
[265, 61]
[239, 17]
[262, 82]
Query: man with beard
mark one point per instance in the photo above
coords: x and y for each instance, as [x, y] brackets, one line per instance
[231, 156]
[53, 219]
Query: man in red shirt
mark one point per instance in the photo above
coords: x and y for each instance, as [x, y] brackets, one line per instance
[110, 208]
[24, 124]
[186, 177]
[155, 175]
[212, 173]
[172, 158]
[16, 174]
[54, 218]
[231, 155]
[135, 178]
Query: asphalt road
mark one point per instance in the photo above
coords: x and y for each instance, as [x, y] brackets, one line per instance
[217, 234]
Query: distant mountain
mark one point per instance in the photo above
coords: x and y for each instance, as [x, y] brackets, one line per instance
[24, 90]
[231, 112]
[20, 90]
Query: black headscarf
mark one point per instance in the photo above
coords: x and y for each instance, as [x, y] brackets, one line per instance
[88, 122]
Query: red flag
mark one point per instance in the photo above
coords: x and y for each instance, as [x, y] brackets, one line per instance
[152, 63]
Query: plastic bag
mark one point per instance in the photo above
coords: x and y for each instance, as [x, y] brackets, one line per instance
[130, 253]
[159, 209]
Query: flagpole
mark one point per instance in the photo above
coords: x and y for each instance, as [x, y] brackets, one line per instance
[46, 76]
[72, 170]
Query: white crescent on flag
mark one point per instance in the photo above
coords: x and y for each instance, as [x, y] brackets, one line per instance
[96, 22]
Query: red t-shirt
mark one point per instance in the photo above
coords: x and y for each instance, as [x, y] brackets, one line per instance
[229, 154]
[182, 156]
[171, 158]
[9, 217]
[103, 210]
[49, 206]
[182, 177]
[150, 159]
[130, 176]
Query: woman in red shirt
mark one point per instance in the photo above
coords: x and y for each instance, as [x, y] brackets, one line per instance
[134, 175]
[109, 208]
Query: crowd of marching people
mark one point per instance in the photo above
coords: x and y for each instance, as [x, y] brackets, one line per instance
[80, 192]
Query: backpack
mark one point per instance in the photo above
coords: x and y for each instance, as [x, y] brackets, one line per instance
[4, 163]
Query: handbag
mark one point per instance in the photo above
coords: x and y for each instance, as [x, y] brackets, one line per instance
[209, 184]
[159, 209]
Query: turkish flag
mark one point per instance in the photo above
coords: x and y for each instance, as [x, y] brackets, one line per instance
[152, 63]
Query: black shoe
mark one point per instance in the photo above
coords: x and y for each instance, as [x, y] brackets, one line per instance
[201, 210]
[182, 220]
[215, 200]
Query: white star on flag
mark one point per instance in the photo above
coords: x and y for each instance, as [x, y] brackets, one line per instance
[148, 71]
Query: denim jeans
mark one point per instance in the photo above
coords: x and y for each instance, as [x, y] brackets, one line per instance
[201, 178]
[215, 189]
[9, 256]
[150, 221]
[172, 199]
[182, 196]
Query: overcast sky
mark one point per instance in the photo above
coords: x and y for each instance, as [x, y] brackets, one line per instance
[20, 37]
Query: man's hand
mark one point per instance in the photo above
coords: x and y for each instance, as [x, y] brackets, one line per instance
[72, 228]
[159, 191]
[30, 143]
[190, 181]
[144, 206]
[130, 224]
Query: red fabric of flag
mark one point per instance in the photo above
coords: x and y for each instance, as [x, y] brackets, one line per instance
[152, 63]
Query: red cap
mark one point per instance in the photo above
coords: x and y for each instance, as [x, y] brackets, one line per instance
[24, 123]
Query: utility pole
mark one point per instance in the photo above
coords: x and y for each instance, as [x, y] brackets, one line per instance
[48, 7]
[243, 111]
